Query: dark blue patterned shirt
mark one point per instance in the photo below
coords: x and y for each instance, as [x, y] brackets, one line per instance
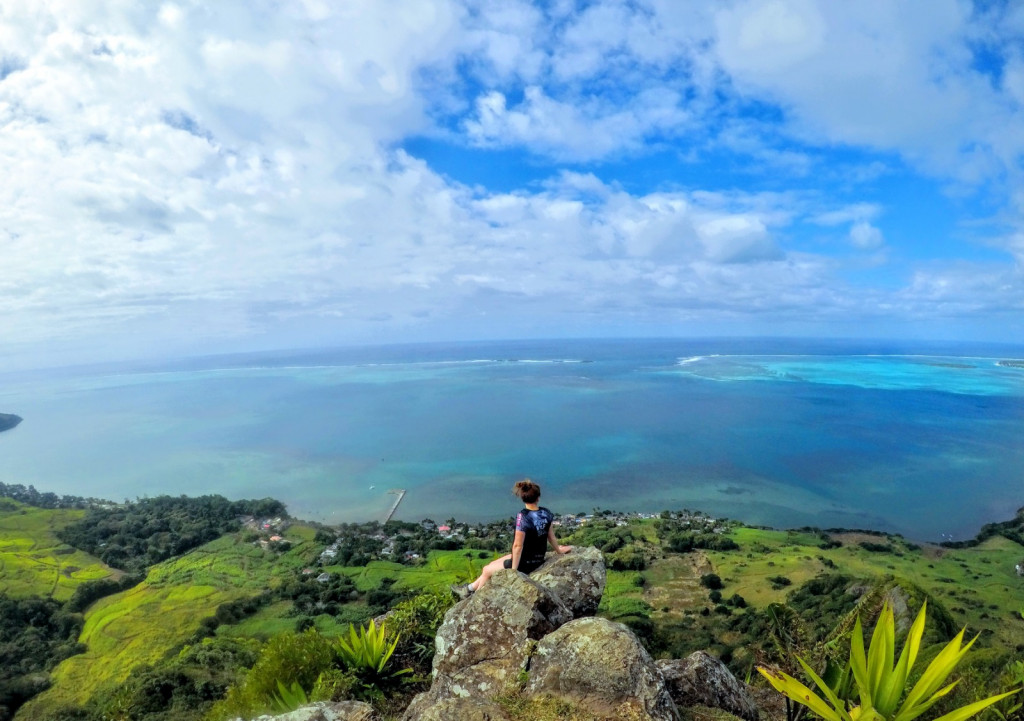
[535, 525]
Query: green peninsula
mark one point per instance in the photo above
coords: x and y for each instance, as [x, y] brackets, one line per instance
[8, 421]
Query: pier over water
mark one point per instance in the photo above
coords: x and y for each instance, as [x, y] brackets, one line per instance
[400, 492]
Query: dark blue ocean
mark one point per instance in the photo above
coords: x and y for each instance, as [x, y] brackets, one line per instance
[924, 440]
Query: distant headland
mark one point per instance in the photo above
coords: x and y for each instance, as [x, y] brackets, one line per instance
[8, 421]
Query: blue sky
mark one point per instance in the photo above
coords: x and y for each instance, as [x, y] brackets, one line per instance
[188, 177]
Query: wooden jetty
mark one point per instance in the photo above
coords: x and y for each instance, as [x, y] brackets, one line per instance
[400, 492]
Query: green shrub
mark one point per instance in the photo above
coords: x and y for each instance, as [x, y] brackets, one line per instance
[627, 559]
[711, 581]
[289, 658]
[366, 654]
[414, 623]
[876, 547]
[688, 541]
[620, 607]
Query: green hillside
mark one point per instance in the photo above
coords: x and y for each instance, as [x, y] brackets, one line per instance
[34, 562]
[239, 588]
[978, 585]
[140, 625]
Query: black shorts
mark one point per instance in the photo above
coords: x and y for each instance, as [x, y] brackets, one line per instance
[524, 567]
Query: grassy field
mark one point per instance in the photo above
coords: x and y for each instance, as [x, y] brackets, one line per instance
[141, 625]
[275, 619]
[34, 562]
[978, 586]
[442, 569]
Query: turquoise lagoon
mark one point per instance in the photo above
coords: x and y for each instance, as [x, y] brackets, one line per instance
[920, 440]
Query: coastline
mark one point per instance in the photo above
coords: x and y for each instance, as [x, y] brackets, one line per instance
[9, 421]
[1011, 528]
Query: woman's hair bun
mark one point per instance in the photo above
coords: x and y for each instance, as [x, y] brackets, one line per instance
[527, 490]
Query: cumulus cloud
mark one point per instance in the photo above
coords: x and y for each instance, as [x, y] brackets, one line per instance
[195, 175]
[865, 236]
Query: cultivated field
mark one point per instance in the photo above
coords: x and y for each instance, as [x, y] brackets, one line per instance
[141, 625]
[33, 562]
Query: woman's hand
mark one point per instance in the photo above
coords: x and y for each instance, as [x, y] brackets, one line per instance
[564, 549]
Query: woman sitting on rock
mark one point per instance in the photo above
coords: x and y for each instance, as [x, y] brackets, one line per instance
[533, 533]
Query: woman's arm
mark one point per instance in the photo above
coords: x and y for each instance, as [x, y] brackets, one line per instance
[554, 542]
[517, 548]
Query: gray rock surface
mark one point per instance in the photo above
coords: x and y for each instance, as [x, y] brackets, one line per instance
[485, 641]
[458, 709]
[601, 666]
[328, 711]
[577, 577]
[700, 679]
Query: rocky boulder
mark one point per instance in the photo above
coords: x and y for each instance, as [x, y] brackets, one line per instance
[486, 640]
[329, 711]
[461, 709]
[702, 680]
[577, 578]
[601, 666]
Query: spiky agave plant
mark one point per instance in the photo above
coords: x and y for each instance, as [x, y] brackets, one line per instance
[367, 651]
[288, 698]
[881, 681]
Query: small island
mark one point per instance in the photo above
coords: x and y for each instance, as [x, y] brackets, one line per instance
[8, 421]
[1011, 363]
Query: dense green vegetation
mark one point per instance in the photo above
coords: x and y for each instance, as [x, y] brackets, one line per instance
[177, 689]
[37, 573]
[35, 635]
[40, 569]
[32, 497]
[135, 535]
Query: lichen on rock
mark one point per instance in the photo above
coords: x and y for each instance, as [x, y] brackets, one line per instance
[602, 666]
[577, 578]
[328, 711]
[486, 640]
[700, 679]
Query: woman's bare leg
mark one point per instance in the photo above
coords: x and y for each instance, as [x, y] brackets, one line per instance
[489, 571]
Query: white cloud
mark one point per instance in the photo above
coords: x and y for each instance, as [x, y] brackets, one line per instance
[878, 75]
[856, 213]
[874, 75]
[865, 236]
[574, 130]
[189, 175]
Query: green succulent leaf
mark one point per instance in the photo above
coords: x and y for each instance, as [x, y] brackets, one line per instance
[789, 686]
[881, 679]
